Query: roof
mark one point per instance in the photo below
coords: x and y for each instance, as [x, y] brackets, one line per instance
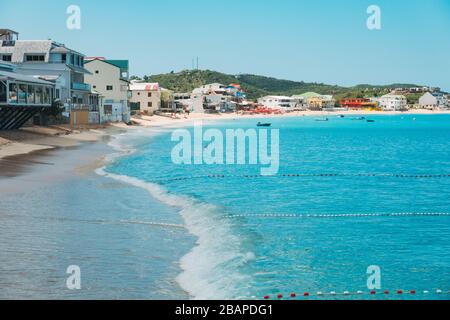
[307, 95]
[7, 31]
[122, 64]
[5, 75]
[142, 86]
[278, 97]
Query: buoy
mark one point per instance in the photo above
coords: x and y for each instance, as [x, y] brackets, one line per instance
[280, 296]
[399, 291]
[266, 297]
[386, 291]
[413, 292]
[373, 292]
[293, 295]
[306, 294]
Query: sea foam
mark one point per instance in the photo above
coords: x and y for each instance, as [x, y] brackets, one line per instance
[211, 270]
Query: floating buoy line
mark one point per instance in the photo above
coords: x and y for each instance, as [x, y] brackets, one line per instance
[319, 294]
[339, 215]
[307, 175]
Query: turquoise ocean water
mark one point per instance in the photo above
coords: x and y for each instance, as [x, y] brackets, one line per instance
[277, 245]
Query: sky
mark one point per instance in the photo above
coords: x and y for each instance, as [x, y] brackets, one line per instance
[315, 41]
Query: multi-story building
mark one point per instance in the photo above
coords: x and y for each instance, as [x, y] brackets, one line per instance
[433, 100]
[110, 79]
[54, 62]
[278, 102]
[393, 102]
[21, 97]
[216, 97]
[145, 97]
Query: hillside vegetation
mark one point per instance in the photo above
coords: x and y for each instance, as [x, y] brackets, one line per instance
[257, 86]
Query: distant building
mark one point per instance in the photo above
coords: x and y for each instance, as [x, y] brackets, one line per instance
[216, 97]
[145, 97]
[358, 103]
[278, 102]
[392, 102]
[110, 79]
[433, 100]
[21, 97]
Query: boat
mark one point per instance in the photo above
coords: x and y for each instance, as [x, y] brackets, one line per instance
[359, 119]
[341, 116]
[324, 119]
[369, 120]
[263, 124]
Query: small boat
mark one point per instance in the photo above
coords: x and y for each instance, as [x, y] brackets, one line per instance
[263, 124]
[341, 116]
[369, 120]
[360, 118]
[324, 119]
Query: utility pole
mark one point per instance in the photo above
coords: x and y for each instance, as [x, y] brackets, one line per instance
[197, 63]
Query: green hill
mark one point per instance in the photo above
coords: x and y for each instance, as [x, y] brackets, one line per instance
[256, 86]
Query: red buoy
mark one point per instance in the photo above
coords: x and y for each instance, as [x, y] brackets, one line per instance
[386, 291]
[266, 297]
[399, 291]
[373, 292]
[280, 296]
[413, 291]
[306, 294]
[293, 295]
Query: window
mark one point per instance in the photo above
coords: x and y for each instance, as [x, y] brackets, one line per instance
[2, 92]
[149, 94]
[7, 57]
[64, 58]
[38, 95]
[22, 95]
[96, 71]
[94, 87]
[109, 88]
[30, 94]
[57, 94]
[12, 93]
[72, 59]
[108, 109]
[35, 57]
[149, 104]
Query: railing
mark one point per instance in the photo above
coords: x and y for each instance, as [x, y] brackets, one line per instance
[81, 86]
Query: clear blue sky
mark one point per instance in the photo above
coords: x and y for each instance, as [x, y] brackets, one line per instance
[317, 40]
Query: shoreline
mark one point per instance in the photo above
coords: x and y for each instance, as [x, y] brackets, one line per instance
[35, 139]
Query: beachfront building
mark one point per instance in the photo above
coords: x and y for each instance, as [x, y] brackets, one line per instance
[110, 79]
[278, 102]
[392, 102]
[21, 96]
[145, 97]
[216, 97]
[54, 62]
[358, 103]
[433, 100]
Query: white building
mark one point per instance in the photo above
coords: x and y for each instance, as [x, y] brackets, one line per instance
[216, 97]
[393, 102]
[110, 79]
[433, 100]
[278, 102]
[145, 97]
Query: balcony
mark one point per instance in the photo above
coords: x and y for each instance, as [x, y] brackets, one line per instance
[81, 86]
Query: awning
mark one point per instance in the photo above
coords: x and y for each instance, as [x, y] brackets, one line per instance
[12, 76]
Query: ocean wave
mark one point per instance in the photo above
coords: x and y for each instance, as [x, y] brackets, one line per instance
[211, 270]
